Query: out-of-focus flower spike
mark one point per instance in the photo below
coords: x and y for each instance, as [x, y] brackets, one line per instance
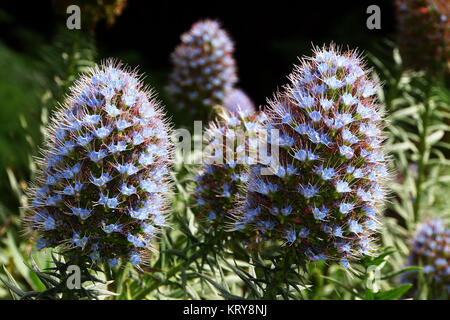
[204, 70]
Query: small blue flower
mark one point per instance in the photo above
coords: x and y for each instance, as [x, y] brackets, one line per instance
[122, 168]
[328, 174]
[129, 99]
[149, 229]
[287, 119]
[344, 247]
[84, 213]
[112, 110]
[226, 191]
[337, 232]
[112, 228]
[346, 152]
[149, 185]
[371, 225]
[112, 202]
[315, 116]
[91, 119]
[102, 132]
[333, 83]
[342, 187]
[49, 223]
[344, 263]
[136, 241]
[146, 159]
[290, 235]
[304, 233]
[51, 180]
[137, 139]
[135, 258]
[342, 120]
[348, 136]
[211, 215]
[440, 262]
[280, 171]
[122, 124]
[349, 100]
[428, 269]
[69, 190]
[273, 187]
[125, 190]
[287, 211]
[113, 262]
[306, 102]
[323, 67]
[96, 156]
[354, 226]
[302, 128]
[319, 215]
[140, 214]
[369, 129]
[60, 134]
[290, 169]
[309, 191]
[159, 220]
[79, 242]
[345, 208]
[102, 180]
[326, 104]
[131, 169]
[312, 156]
[358, 173]
[286, 140]
[314, 136]
[301, 155]
[41, 244]
[67, 174]
[365, 196]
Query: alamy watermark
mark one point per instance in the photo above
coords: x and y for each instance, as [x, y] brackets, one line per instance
[74, 19]
[374, 20]
[256, 146]
[374, 278]
[74, 277]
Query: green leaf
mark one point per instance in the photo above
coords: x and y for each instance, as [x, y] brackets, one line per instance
[13, 287]
[226, 294]
[378, 260]
[396, 273]
[435, 137]
[369, 295]
[393, 294]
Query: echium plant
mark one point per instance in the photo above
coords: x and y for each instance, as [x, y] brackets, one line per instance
[236, 100]
[424, 34]
[101, 191]
[204, 70]
[233, 141]
[431, 250]
[323, 195]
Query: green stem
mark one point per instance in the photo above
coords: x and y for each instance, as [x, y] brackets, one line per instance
[169, 274]
[423, 148]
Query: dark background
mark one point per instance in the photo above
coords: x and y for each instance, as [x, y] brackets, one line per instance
[269, 35]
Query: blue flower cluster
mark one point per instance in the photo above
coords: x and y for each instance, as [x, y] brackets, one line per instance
[431, 250]
[204, 69]
[103, 181]
[236, 100]
[232, 139]
[324, 191]
[423, 28]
